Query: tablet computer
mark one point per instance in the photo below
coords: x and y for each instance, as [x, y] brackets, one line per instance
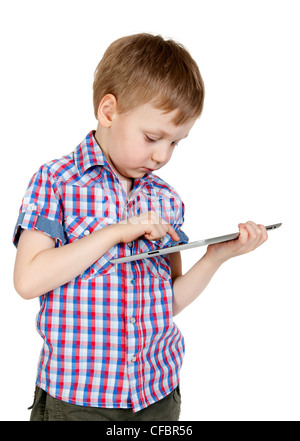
[175, 248]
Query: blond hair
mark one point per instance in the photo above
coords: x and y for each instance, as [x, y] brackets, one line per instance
[143, 68]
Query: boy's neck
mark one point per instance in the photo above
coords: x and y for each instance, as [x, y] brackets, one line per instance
[127, 183]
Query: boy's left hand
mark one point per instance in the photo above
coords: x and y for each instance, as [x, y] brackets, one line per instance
[251, 236]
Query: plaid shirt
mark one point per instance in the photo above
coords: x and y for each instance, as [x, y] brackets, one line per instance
[109, 336]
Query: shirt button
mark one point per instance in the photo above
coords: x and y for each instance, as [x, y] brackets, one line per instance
[132, 281]
[33, 207]
[129, 244]
[133, 359]
[132, 320]
[86, 232]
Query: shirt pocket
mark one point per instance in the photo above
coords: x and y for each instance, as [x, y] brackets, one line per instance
[78, 227]
[160, 266]
[156, 266]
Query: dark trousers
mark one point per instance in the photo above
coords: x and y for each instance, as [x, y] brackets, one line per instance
[47, 408]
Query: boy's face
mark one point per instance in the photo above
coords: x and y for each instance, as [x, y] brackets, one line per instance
[141, 140]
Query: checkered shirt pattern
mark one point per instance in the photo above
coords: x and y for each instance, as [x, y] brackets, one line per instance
[109, 339]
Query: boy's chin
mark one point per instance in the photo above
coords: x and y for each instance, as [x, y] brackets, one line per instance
[138, 174]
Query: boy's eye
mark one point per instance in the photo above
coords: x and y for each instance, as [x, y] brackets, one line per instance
[150, 139]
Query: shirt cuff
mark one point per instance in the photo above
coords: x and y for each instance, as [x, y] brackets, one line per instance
[183, 238]
[167, 241]
[31, 220]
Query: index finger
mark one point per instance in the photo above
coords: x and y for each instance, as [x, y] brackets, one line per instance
[173, 233]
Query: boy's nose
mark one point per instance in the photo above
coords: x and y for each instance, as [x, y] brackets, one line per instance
[161, 154]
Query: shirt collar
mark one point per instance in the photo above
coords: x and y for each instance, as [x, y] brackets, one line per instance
[89, 154]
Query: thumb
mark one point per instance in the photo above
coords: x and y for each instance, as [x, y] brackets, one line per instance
[243, 234]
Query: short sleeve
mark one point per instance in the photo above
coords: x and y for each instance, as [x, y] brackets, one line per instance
[179, 220]
[41, 208]
[176, 220]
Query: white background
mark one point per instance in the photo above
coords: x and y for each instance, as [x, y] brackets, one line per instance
[239, 163]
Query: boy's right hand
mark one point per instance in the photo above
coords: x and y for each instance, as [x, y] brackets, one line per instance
[147, 224]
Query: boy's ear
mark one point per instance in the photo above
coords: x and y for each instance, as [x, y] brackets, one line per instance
[106, 110]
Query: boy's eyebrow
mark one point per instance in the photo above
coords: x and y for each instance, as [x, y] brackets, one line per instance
[162, 132]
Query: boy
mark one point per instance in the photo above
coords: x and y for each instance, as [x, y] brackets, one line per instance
[111, 349]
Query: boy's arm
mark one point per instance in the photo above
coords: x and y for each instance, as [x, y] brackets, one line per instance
[188, 287]
[40, 267]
